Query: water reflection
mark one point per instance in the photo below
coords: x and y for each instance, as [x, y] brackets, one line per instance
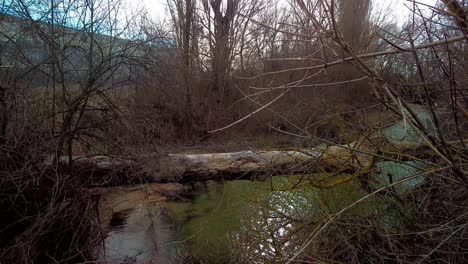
[143, 237]
[142, 227]
[238, 221]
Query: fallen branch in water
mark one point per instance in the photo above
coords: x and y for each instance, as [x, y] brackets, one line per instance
[354, 157]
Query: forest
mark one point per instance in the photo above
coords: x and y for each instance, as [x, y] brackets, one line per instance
[234, 131]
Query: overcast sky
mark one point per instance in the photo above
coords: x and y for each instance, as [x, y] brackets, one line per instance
[157, 8]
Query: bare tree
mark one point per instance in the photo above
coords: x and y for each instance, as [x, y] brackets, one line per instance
[354, 21]
[183, 19]
[219, 40]
[65, 58]
[183, 14]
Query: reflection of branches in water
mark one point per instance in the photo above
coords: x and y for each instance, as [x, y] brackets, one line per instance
[269, 227]
[144, 236]
[165, 251]
[274, 228]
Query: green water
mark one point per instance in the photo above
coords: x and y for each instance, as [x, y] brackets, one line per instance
[224, 221]
[220, 215]
[260, 221]
[256, 222]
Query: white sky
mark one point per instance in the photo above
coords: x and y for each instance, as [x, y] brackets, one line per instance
[157, 8]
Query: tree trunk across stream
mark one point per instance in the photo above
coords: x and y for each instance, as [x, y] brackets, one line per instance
[397, 143]
[355, 157]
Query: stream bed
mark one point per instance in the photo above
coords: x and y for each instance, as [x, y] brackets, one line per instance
[257, 221]
[215, 220]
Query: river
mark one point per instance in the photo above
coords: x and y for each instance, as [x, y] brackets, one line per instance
[221, 222]
[250, 221]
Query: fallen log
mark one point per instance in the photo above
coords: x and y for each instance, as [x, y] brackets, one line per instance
[397, 142]
[250, 163]
[351, 157]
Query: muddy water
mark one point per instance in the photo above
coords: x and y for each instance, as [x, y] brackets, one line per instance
[144, 226]
[142, 236]
[151, 224]
[216, 219]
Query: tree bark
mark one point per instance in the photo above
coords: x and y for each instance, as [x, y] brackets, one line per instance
[222, 47]
[353, 157]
